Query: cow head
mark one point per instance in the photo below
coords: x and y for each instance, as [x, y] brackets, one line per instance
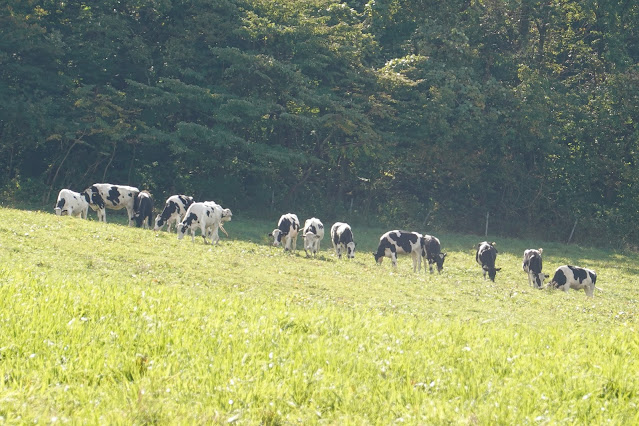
[492, 272]
[277, 237]
[350, 250]
[539, 280]
[181, 230]
[59, 206]
[439, 260]
[159, 223]
[309, 239]
[226, 215]
[379, 257]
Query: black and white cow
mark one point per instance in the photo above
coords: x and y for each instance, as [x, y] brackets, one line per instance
[313, 234]
[396, 242]
[532, 265]
[143, 210]
[342, 238]
[175, 208]
[485, 257]
[72, 203]
[207, 217]
[286, 232]
[574, 277]
[431, 251]
[104, 196]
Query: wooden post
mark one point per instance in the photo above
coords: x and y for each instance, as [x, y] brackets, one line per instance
[350, 209]
[573, 231]
[487, 215]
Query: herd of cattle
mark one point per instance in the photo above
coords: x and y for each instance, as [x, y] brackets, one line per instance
[208, 217]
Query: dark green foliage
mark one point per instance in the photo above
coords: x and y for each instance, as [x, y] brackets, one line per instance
[415, 113]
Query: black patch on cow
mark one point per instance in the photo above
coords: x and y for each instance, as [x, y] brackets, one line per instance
[285, 225]
[535, 263]
[86, 196]
[186, 201]
[312, 229]
[559, 279]
[190, 219]
[96, 197]
[144, 209]
[169, 208]
[486, 256]
[114, 196]
[345, 237]
[580, 274]
[208, 212]
[593, 277]
[405, 240]
[60, 203]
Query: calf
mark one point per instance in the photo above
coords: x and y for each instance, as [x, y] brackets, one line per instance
[532, 265]
[312, 233]
[174, 210]
[207, 217]
[287, 228]
[431, 251]
[342, 238]
[72, 203]
[574, 277]
[104, 196]
[396, 242]
[143, 210]
[485, 257]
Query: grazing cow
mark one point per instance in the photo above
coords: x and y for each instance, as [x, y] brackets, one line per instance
[342, 238]
[485, 257]
[396, 242]
[532, 265]
[104, 196]
[287, 228]
[174, 210]
[72, 203]
[574, 277]
[143, 210]
[226, 215]
[431, 251]
[312, 233]
[207, 217]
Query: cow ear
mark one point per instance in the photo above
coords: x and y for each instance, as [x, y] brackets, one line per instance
[270, 234]
[497, 269]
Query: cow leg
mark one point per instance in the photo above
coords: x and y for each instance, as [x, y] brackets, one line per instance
[430, 265]
[394, 259]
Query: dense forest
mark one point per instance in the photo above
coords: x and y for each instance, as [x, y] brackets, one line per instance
[415, 113]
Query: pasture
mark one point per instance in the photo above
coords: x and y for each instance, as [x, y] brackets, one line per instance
[102, 323]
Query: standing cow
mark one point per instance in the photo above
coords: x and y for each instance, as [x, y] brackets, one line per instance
[143, 210]
[396, 242]
[175, 208]
[485, 257]
[286, 232]
[104, 196]
[72, 203]
[532, 265]
[342, 238]
[312, 233]
[207, 217]
[431, 251]
[574, 277]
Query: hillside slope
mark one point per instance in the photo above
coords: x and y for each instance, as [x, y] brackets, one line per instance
[105, 323]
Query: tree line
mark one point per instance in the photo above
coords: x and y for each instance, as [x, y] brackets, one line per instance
[417, 112]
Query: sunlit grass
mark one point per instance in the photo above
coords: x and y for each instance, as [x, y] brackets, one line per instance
[101, 323]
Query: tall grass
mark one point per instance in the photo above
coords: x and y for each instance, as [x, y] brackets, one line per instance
[101, 323]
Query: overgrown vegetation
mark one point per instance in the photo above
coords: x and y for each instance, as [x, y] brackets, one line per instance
[436, 113]
[102, 323]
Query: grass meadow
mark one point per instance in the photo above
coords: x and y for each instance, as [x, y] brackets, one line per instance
[102, 323]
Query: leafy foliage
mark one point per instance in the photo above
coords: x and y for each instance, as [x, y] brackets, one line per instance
[435, 113]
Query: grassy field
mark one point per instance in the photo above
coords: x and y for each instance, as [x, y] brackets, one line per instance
[101, 323]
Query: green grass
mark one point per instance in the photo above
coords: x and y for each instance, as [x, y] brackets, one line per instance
[101, 323]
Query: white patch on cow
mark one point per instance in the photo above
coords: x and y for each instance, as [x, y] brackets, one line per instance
[286, 232]
[113, 197]
[71, 203]
[313, 234]
[338, 232]
[207, 217]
